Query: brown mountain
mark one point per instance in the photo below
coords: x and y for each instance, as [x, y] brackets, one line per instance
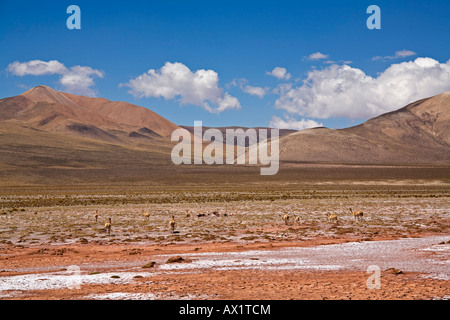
[416, 134]
[49, 137]
[48, 110]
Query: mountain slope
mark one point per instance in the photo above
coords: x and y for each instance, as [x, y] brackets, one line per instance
[418, 133]
[48, 110]
[53, 137]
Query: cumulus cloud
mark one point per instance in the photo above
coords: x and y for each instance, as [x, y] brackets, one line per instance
[343, 91]
[225, 103]
[200, 88]
[317, 56]
[36, 68]
[279, 73]
[77, 79]
[255, 91]
[398, 54]
[291, 123]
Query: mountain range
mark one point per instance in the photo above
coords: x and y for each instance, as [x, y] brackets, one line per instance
[46, 135]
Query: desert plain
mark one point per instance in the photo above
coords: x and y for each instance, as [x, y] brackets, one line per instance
[234, 244]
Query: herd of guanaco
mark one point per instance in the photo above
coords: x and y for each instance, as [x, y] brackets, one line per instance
[146, 214]
[333, 218]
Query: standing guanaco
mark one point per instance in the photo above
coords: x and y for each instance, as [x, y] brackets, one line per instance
[146, 214]
[172, 224]
[108, 226]
[359, 215]
[286, 218]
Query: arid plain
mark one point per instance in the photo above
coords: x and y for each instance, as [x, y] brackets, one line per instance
[47, 230]
[230, 240]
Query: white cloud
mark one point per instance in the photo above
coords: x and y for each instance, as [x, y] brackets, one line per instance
[279, 73]
[225, 103]
[176, 80]
[291, 123]
[255, 91]
[36, 68]
[251, 90]
[79, 80]
[337, 62]
[398, 54]
[317, 56]
[76, 80]
[404, 53]
[343, 91]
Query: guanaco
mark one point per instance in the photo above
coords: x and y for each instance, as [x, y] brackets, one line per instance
[359, 215]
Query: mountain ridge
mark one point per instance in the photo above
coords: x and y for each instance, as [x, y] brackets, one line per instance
[416, 133]
[50, 110]
[47, 136]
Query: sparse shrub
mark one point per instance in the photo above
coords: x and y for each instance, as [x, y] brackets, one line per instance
[176, 259]
[149, 265]
[83, 241]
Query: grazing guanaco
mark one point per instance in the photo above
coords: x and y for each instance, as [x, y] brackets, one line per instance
[359, 215]
[187, 214]
[108, 226]
[146, 214]
[297, 219]
[172, 224]
[286, 218]
[333, 218]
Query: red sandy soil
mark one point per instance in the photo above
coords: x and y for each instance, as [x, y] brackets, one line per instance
[214, 284]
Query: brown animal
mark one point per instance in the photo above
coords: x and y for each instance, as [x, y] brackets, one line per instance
[359, 215]
[187, 214]
[146, 214]
[108, 226]
[333, 218]
[297, 219]
[172, 224]
[286, 218]
[96, 215]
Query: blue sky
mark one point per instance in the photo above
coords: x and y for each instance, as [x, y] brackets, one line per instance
[332, 70]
